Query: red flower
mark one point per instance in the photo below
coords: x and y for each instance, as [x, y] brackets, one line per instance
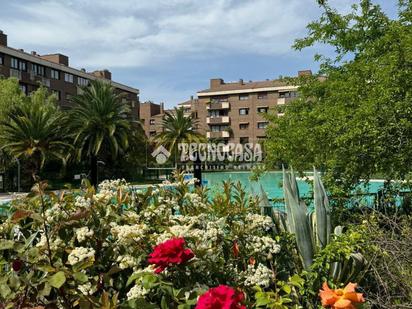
[17, 265]
[171, 252]
[221, 297]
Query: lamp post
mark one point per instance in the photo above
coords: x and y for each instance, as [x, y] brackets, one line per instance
[18, 175]
[97, 170]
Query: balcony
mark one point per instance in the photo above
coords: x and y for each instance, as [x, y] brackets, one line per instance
[218, 105]
[218, 120]
[218, 134]
[15, 73]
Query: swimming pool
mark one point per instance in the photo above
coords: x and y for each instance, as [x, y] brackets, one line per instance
[271, 183]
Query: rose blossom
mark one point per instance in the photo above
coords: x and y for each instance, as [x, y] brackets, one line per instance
[221, 297]
[170, 252]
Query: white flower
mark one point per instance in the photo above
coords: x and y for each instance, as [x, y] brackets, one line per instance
[264, 244]
[54, 213]
[259, 222]
[81, 202]
[138, 291]
[80, 254]
[83, 233]
[86, 289]
[112, 185]
[126, 261]
[129, 233]
[261, 276]
[149, 269]
[54, 243]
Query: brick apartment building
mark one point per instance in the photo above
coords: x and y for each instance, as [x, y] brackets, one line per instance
[152, 115]
[234, 112]
[53, 71]
[228, 112]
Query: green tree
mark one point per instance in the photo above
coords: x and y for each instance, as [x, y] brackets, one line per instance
[177, 129]
[353, 119]
[99, 122]
[10, 95]
[33, 130]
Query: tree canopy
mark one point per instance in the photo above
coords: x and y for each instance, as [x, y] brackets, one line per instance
[354, 118]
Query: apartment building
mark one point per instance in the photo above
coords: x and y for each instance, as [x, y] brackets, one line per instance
[53, 71]
[233, 112]
[152, 115]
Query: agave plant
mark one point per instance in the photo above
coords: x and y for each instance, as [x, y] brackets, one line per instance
[312, 227]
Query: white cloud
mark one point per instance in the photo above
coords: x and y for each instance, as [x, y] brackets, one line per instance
[139, 33]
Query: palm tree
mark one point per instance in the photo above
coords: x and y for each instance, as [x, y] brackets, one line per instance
[178, 129]
[34, 130]
[99, 123]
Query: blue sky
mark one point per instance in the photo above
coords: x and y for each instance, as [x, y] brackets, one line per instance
[169, 49]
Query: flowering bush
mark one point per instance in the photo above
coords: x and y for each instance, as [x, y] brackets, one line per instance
[170, 246]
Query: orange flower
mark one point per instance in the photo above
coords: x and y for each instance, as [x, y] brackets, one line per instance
[340, 298]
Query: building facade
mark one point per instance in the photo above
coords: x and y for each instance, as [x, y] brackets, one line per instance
[152, 115]
[235, 112]
[53, 71]
[228, 112]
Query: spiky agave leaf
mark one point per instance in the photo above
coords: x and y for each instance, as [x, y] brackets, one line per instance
[288, 200]
[322, 211]
[298, 218]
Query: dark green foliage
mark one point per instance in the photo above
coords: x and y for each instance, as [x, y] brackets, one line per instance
[356, 122]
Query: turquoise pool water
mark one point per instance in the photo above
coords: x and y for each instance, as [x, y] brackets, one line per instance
[271, 183]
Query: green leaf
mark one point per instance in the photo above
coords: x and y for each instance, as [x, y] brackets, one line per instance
[163, 303]
[81, 277]
[287, 289]
[57, 280]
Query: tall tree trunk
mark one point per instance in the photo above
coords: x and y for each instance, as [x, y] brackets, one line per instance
[93, 170]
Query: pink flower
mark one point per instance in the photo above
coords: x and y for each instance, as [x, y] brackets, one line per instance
[221, 297]
[171, 252]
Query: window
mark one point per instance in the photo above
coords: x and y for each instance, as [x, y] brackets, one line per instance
[244, 140]
[243, 97]
[1, 59]
[288, 94]
[22, 65]
[23, 88]
[14, 63]
[218, 128]
[38, 69]
[218, 113]
[68, 78]
[55, 74]
[243, 126]
[82, 81]
[262, 125]
[262, 109]
[243, 111]
[219, 99]
[262, 96]
[152, 122]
